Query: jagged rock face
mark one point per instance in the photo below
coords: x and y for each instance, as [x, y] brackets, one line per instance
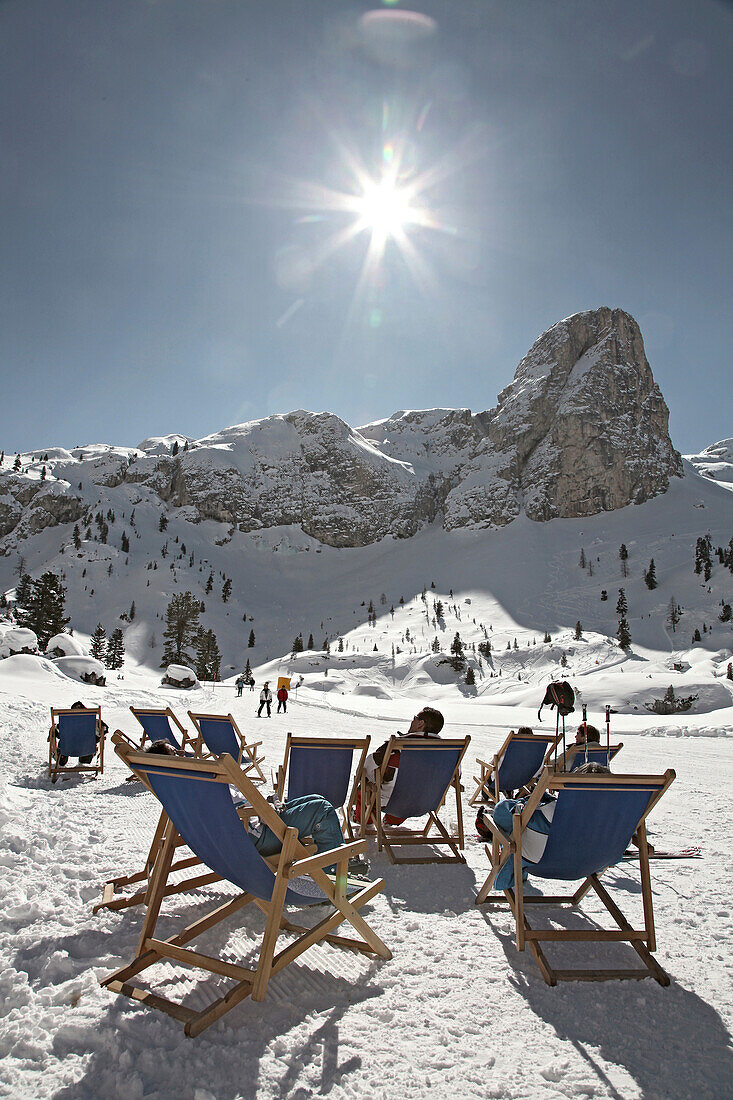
[581, 429]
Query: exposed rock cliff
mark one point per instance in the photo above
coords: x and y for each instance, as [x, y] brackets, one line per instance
[583, 428]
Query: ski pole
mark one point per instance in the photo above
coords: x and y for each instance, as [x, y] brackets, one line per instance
[608, 735]
[585, 729]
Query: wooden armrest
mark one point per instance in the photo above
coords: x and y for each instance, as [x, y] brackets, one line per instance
[333, 855]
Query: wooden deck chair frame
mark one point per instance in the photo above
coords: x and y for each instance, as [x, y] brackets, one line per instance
[487, 781]
[54, 768]
[434, 833]
[504, 848]
[292, 862]
[358, 785]
[247, 758]
[113, 896]
[573, 751]
[186, 738]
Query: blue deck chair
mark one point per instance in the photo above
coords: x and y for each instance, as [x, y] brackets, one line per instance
[75, 733]
[577, 755]
[219, 733]
[428, 769]
[323, 765]
[594, 820]
[516, 763]
[197, 801]
[162, 725]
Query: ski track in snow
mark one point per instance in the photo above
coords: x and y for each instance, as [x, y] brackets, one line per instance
[457, 1011]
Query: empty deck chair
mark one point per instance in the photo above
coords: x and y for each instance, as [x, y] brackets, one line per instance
[594, 820]
[322, 765]
[219, 733]
[196, 798]
[577, 755]
[75, 733]
[162, 725]
[427, 771]
[518, 760]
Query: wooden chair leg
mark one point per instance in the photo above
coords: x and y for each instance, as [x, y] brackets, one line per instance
[272, 929]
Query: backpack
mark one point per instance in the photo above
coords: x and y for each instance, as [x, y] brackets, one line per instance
[559, 694]
[481, 827]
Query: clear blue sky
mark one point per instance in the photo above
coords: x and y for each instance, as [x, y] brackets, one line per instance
[164, 260]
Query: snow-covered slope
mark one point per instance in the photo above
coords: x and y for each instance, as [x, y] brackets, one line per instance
[716, 462]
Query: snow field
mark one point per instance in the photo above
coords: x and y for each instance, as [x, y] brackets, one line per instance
[456, 1011]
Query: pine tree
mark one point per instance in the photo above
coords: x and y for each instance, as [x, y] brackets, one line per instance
[674, 611]
[578, 631]
[624, 556]
[650, 577]
[208, 657]
[729, 671]
[251, 641]
[115, 654]
[17, 463]
[310, 643]
[436, 645]
[43, 473]
[458, 660]
[76, 534]
[132, 612]
[470, 677]
[162, 522]
[174, 448]
[98, 646]
[604, 594]
[125, 543]
[547, 637]
[621, 603]
[226, 590]
[623, 633]
[581, 561]
[23, 590]
[209, 584]
[564, 659]
[725, 614]
[248, 670]
[341, 645]
[181, 625]
[44, 609]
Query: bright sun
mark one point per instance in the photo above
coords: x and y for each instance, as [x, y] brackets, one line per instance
[384, 207]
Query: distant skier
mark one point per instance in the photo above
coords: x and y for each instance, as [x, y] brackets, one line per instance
[282, 699]
[265, 700]
[239, 684]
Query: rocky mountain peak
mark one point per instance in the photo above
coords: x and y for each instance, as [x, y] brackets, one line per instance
[582, 428]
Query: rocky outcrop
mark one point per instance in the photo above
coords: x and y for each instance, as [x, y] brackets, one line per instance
[583, 428]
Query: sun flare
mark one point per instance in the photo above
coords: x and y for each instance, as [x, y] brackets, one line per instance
[384, 208]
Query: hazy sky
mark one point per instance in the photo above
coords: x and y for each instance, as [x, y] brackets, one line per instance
[170, 258]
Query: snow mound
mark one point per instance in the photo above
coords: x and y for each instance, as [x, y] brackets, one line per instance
[64, 645]
[28, 666]
[180, 676]
[373, 690]
[18, 639]
[86, 669]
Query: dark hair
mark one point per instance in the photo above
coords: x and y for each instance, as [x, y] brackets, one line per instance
[433, 719]
[591, 733]
[161, 748]
[591, 768]
[524, 731]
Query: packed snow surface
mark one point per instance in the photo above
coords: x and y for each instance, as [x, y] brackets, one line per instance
[457, 1012]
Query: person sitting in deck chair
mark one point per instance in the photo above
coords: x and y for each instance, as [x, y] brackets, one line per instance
[310, 814]
[584, 735]
[428, 722]
[538, 827]
[64, 760]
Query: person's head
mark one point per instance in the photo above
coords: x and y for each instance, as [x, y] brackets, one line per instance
[162, 748]
[524, 731]
[593, 736]
[427, 720]
[267, 683]
[592, 768]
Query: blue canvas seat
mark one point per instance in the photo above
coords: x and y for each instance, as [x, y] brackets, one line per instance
[162, 725]
[516, 763]
[219, 733]
[428, 769]
[200, 810]
[594, 819]
[321, 765]
[75, 733]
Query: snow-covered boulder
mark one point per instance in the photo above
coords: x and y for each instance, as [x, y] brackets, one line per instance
[180, 676]
[64, 645]
[18, 639]
[86, 669]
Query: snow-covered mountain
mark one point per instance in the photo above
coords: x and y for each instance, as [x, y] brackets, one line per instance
[716, 462]
[312, 519]
[581, 429]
